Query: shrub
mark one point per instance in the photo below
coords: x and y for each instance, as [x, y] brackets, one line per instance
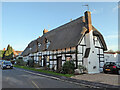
[82, 68]
[48, 67]
[31, 63]
[68, 67]
[20, 62]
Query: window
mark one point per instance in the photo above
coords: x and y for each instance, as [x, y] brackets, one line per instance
[40, 58]
[95, 40]
[87, 53]
[47, 58]
[39, 44]
[68, 58]
[47, 43]
[30, 48]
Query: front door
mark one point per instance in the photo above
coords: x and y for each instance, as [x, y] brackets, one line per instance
[44, 61]
[59, 63]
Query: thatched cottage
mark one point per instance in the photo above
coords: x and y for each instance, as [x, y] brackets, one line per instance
[77, 40]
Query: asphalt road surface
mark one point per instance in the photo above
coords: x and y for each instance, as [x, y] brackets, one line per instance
[14, 78]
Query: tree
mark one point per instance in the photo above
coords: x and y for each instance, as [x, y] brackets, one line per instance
[8, 54]
[110, 50]
[1, 53]
[118, 51]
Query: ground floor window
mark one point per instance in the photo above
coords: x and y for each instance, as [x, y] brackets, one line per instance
[68, 58]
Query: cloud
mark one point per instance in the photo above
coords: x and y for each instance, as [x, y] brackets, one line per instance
[116, 8]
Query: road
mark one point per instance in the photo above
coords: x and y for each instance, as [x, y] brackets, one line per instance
[14, 78]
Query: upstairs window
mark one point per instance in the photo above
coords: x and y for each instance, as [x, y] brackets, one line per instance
[39, 44]
[95, 39]
[47, 43]
[30, 48]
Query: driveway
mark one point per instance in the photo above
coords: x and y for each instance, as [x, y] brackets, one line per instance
[111, 79]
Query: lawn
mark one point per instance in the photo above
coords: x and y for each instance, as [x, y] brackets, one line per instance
[44, 71]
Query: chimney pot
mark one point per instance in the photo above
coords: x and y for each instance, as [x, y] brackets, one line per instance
[3, 49]
[45, 31]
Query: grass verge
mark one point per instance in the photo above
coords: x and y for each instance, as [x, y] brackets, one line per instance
[44, 71]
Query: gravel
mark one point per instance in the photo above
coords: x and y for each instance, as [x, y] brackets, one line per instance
[111, 79]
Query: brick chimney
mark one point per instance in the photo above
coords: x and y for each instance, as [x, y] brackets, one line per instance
[45, 31]
[88, 20]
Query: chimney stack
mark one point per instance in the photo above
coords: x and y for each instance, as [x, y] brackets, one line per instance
[88, 20]
[45, 31]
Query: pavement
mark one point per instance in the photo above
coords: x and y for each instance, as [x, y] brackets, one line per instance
[17, 78]
[112, 79]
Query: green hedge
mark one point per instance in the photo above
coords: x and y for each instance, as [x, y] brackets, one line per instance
[20, 62]
[44, 71]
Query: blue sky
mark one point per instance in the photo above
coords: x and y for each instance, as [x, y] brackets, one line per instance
[23, 22]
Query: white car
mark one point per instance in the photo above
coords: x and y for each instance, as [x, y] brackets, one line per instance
[6, 65]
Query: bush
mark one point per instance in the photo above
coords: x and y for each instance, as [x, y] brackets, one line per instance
[31, 63]
[20, 62]
[82, 68]
[68, 67]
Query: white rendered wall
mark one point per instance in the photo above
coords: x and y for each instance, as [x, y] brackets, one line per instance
[92, 60]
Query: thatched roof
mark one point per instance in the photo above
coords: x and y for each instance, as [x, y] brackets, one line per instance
[65, 36]
[33, 45]
[26, 51]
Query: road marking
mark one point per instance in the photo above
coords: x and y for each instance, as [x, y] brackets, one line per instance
[7, 78]
[35, 84]
[60, 79]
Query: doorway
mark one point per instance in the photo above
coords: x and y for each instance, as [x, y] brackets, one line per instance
[59, 63]
[44, 61]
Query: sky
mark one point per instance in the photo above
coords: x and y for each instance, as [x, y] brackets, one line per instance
[23, 22]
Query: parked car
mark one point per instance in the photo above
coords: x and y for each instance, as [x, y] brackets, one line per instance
[6, 65]
[113, 67]
[1, 61]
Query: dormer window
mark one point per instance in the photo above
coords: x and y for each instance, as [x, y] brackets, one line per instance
[47, 43]
[39, 44]
[30, 48]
